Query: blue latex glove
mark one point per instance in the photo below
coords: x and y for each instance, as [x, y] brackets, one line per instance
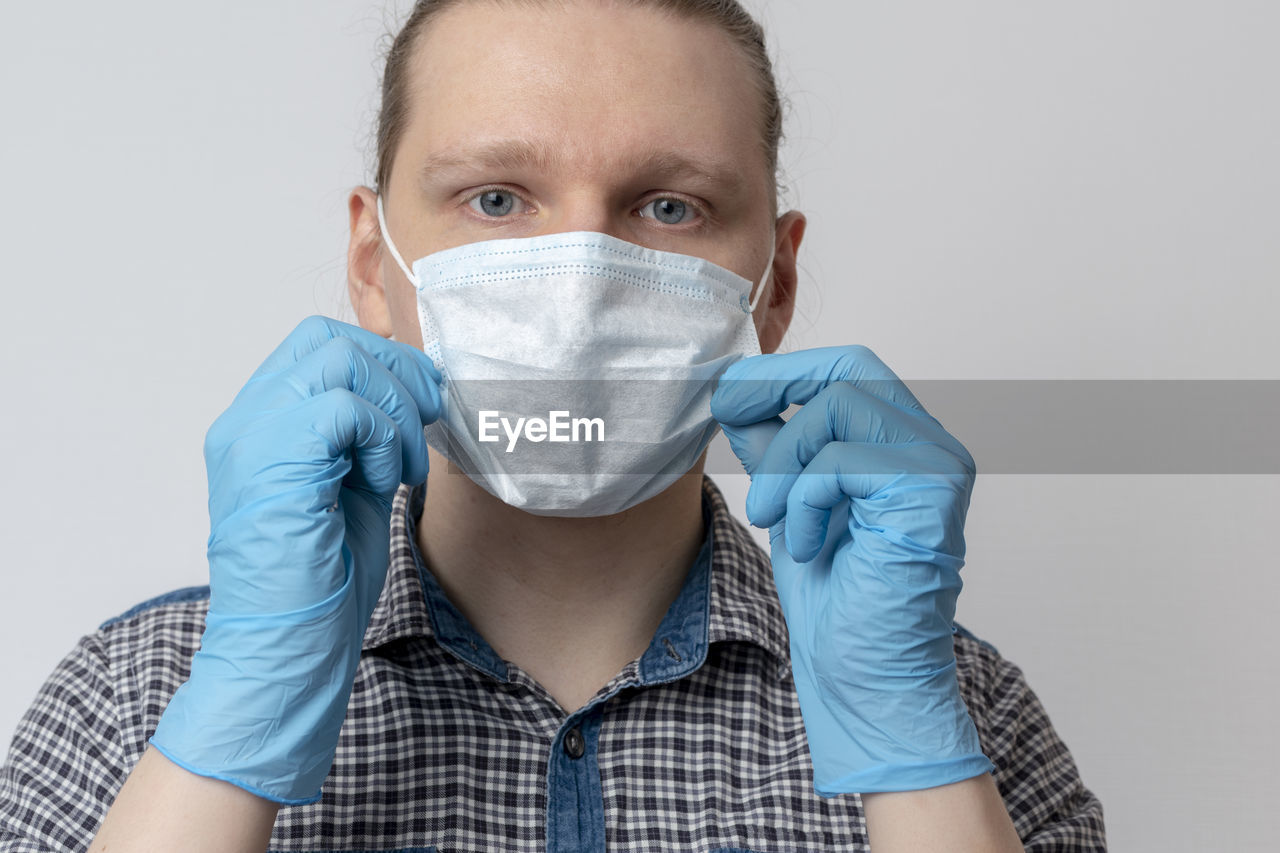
[865, 495]
[303, 468]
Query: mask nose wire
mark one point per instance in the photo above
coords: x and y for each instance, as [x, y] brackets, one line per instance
[773, 251]
[395, 253]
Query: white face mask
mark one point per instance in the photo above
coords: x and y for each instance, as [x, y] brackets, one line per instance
[578, 367]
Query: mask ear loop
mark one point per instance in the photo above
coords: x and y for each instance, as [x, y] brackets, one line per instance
[395, 253]
[773, 251]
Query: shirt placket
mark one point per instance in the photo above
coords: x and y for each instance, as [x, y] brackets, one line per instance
[575, 802]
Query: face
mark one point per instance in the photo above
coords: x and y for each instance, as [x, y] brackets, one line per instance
[526, 121]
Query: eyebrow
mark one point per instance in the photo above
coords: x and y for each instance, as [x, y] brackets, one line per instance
[515, 154]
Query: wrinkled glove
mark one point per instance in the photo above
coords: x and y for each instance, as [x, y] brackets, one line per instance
[303, 468]
[865, 495]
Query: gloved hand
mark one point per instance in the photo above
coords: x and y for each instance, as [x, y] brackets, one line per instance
[865, 495]
[303, 468]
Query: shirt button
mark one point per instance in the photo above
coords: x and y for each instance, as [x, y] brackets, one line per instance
[574, 746]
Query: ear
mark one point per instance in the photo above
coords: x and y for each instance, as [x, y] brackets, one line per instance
[776, 309]
[365, 285]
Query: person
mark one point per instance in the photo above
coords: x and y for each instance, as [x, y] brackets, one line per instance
[410, 642]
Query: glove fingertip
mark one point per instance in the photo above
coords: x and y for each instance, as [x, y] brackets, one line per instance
[424, 361]
[724, 403]
[435, 405]
[800, 546]
[764, 518]
[415, 475]
[741, 392]
[420, 476]
[764, 508]
[754, 512]
[738, 444]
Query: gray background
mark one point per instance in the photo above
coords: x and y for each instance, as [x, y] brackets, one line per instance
[1005, 190]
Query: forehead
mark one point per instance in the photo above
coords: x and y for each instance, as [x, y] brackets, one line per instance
[594, 84]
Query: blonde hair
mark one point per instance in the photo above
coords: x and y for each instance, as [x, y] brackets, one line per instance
[726, 14]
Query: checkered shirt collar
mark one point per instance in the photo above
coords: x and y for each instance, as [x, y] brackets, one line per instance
[743, 604]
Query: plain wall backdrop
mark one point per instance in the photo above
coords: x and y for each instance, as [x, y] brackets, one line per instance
[996, 190]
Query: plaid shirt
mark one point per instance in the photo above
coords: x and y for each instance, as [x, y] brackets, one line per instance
[697, 745]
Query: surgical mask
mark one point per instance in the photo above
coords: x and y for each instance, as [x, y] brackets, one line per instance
[578, 368]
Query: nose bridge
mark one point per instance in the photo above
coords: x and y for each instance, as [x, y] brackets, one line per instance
[588, 207]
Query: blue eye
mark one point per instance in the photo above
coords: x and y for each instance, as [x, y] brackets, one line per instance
[668, 211]
[494, 203]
